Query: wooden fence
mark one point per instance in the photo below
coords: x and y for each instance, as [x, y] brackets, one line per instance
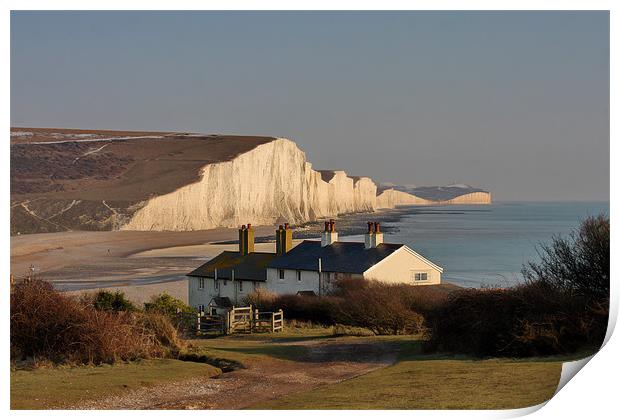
[210, 324]
[244, 320]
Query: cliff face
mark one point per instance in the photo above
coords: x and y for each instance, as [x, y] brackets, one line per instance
[272, 182]
[64, 179]
[269, 183]
[391, 198]
[480, 197]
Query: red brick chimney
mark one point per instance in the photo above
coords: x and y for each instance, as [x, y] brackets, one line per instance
[329, 235]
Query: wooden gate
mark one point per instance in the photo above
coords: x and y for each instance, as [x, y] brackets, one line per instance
[239, 320]
[277, 321]
[245, 320]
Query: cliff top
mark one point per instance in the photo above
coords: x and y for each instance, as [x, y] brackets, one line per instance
[114, 165]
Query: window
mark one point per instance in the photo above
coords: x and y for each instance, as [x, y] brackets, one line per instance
[201, 308]
[420, 276]
[217, 284]
[299, 276]
[255, 284]
[225, 282]
[241, 286]
[201, 283]
[281, 274]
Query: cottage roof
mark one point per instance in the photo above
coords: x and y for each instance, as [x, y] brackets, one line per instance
[339, 257]
[251, 266]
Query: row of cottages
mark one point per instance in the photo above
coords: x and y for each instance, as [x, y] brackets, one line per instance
[309, 268]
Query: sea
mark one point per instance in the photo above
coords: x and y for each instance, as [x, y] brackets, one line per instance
[487, 245]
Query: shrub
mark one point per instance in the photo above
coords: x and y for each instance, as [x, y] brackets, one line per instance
[182, 316]
[320, 310]
[577, 265]
[109, 301]
[526, 320]
[161, 334]
[46, 324]
[346, 330]
[378, 307]
[260, 298]
[561, 308]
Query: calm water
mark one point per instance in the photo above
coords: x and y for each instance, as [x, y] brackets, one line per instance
[487, 245]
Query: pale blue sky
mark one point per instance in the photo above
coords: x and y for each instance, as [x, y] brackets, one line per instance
[515, 102]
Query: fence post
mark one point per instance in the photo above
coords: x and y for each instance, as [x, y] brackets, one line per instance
[198, 324]
[282, 319]
[255, 323]
[227, 323]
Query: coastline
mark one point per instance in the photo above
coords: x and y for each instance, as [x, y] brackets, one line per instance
[143, 263]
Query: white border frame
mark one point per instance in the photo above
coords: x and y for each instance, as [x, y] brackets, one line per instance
[592, 394]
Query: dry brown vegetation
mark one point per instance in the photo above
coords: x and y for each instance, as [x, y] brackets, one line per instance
[379, 307]
[48, 325]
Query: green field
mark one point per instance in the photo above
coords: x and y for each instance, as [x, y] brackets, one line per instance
[60, 387]
[430, 383]
[415, 381]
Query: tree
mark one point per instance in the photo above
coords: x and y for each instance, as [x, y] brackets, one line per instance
[578, 264]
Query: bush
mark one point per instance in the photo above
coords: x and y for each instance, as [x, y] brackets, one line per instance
[577, 265]
[528, 320]
[379, 307]
[561, 308]
[109, 301]
[161, 333]
[346, 330]
[182, 316]
[320, 310]
[260, 298]
[46, 324]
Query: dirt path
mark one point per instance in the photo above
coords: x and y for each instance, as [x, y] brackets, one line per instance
[324, 362]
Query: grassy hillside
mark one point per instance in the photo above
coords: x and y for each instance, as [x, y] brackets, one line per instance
[431, 382]
[61, 387]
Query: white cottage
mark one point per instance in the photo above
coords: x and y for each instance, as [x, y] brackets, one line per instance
[314, 266]
[231, 274]
[309, 268]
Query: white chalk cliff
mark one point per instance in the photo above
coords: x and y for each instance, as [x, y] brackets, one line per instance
[478, 197]
[269, 183]
[273, 182]
[391, 198]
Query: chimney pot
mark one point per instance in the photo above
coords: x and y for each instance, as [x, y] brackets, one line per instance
[377, 227]
[369, 227]
[249, 225]
[242, 226]
[330, 235]
[280, 227]
[286, 226]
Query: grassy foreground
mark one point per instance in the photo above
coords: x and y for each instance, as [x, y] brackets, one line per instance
[415, 381]
[45, 388]
[419, 381]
